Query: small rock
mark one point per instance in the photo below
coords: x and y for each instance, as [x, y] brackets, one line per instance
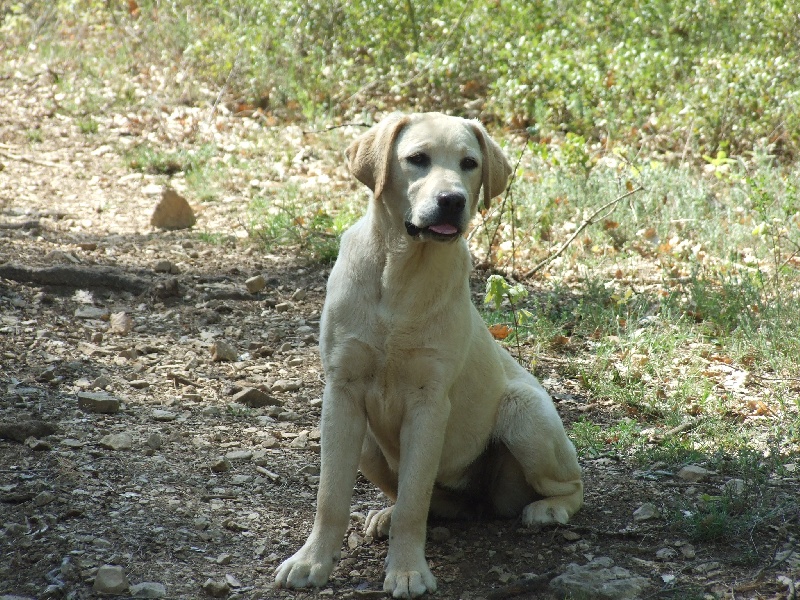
[232, 581]
[439, 534]
[97, 337]
[38, 445]
[599, 579]
[164, 415]
[98, 402]
[120, 323]
[222, 351]
[110, 579]
[666, 554]
[693, 473]
[735, 487]
[154, 441]
[284, 385]
[224, 559]
[19, 431]
[139, 384]
[216, 589]
[688, 551]
[301, 441]
[148, 589]
[101, 383]
[172, 212]
[241, 455]
[43, 498]
[299, 294]
[283, 307]
[165, 266]
[220, 465]
[644, 512]
[353, 540]
[256, 284]
[270, 442]
[117, 441]
[255, 398]
[571, 536]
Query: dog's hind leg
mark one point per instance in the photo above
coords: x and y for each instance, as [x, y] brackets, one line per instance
[374, 467]
[530, 428]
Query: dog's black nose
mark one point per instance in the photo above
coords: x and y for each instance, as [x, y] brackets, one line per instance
[451, 201]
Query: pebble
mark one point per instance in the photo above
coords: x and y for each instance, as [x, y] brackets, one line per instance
[299, 294]
[172, 212]
[117, 441]
[256, 284]
[255, 398]
[644, 512]
[139, 384]
[222, 351]
[148, 589]
[110, 579]
[101, 383]
[165, 266]
[283, 307]
[98, 402]
[693, 473]
[224, 559]
[120, 323]
[43, 498]
[301, 441]
[688, 551]
[38, 445]
[571, 536]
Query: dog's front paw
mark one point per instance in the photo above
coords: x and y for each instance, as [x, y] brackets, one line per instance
[378, 523]
[409, 584]
[304, 569]
[544, 512]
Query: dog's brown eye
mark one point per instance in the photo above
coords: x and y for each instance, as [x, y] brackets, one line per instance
[420, 159]
[469, 163]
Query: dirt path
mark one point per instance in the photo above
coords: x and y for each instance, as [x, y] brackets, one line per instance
[182, 483]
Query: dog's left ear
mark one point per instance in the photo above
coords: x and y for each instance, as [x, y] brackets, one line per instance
[495, 169]
[368, 156]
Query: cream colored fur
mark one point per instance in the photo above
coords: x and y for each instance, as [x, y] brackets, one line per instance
[418, 395]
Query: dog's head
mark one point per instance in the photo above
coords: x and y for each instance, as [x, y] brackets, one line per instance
[428, 170]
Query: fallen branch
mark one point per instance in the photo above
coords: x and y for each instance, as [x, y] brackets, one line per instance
[75, 276]
[588, 221]
[27, 159]
[21, 225]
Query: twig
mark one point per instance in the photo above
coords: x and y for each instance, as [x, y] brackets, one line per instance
[332, 127]
[508, 195]
[523, 586]
[224, 86]
[588, 221]
[27, 159]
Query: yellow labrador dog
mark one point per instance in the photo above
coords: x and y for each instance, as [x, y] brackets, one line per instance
[419, 396]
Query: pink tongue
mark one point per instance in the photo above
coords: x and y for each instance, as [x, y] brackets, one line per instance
[443, 229]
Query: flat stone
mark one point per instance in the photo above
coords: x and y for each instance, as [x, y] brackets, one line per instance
[117, 441]
[98, 402]
[148, 589]
[164, 415]
[693, 473]
[599, 579]
[255, 398]
[139, 384]
[666, 553]
[43, 498]
[91, 312]
[241, 455]
[172, 212]
[110, 579]
[154, 440]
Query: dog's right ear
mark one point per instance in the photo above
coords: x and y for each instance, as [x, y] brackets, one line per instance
[368, 156]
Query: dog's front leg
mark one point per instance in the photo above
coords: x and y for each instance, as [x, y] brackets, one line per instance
[421, 440]
[342, 427]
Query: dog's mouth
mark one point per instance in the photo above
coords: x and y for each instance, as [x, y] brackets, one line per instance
[438, 231]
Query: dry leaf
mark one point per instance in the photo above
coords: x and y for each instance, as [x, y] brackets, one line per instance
[559, 341]
[499, 331]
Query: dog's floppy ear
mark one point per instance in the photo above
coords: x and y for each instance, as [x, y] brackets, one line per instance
[495, 169]
[368, 156]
